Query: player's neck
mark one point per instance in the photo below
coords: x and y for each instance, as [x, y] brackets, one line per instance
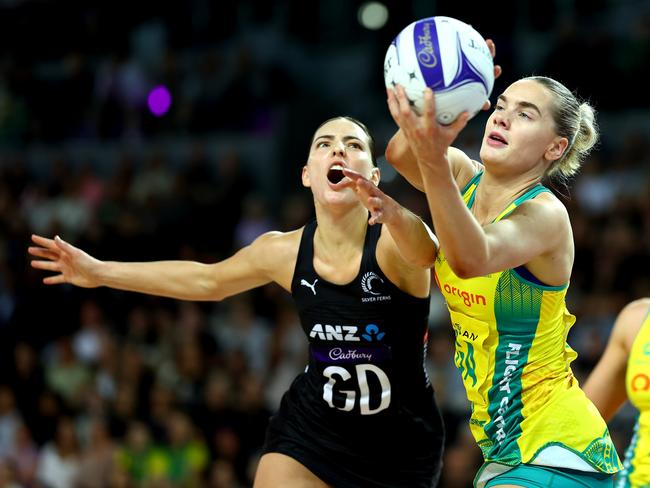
[337, 233]
[495, 192]
[505, 178]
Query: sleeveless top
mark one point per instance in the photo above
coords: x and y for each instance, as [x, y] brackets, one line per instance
[511, 351]
[636, 467]
[365, 396]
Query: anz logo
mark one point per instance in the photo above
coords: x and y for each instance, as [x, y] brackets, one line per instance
[346, 333]
[372, 333]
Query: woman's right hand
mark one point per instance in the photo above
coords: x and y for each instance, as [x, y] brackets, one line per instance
[73, 265]
[382, 208]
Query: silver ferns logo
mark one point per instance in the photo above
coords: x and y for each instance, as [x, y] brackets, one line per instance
[366, 282]
[369, 284]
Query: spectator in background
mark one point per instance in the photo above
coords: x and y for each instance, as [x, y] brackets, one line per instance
[59, 461]
[239, 329]
[97, 458]
[24, 457]
[65, 374]
[186, 455]
[254, 222]
[222, 475]
[10, 420]
[138, 457]
[288, 354]
[87, 342]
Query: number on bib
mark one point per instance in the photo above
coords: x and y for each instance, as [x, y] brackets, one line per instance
[336, 374]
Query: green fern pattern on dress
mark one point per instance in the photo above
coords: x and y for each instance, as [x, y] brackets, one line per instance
[465, 362]
[601, 453]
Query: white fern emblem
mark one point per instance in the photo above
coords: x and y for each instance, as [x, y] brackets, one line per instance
[366, 282]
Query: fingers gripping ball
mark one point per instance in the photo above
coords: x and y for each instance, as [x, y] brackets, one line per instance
[446, 55]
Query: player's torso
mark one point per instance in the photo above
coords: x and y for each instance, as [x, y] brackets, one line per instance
[512, 354]
[511, 351]
[366, 339]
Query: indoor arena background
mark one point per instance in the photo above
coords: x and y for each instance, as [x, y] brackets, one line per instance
[104, 376]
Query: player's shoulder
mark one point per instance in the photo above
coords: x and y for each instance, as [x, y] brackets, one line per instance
[279, 242]
[547, 206]
[636, 311]
[273, 252]
[630, 319]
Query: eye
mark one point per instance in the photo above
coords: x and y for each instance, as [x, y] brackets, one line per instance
[355, 145]
[524, 115]
[322, 144]
[498, 108]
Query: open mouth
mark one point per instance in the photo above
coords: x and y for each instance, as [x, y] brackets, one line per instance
[497, 137]
[335, 174]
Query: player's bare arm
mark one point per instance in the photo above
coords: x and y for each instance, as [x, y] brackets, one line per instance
[605, 386]
[267, 259]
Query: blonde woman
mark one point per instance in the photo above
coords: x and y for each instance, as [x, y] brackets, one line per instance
[504, 265]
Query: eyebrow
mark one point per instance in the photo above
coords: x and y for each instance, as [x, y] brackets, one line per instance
[523, 104]
[345, 138]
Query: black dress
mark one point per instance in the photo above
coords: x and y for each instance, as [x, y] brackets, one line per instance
[363, 414]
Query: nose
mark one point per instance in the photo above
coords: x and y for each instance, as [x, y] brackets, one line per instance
[338, 148]
[501, 119]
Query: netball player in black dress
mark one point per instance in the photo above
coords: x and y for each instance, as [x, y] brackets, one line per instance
[362, 415]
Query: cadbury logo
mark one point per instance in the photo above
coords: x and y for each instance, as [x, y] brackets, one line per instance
[426, 54]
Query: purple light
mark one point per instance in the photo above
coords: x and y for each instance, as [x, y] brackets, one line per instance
[159, 100]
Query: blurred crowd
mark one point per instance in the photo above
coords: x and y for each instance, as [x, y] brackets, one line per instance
[101, 388]
[107, 388]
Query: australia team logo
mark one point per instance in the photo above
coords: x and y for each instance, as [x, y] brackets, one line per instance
[371, 284]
